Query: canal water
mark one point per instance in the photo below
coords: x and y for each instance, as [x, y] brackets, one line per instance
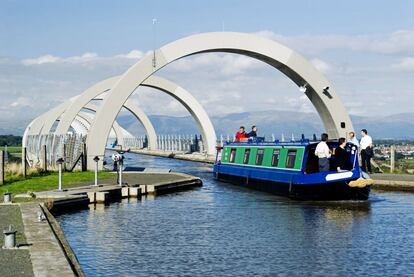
[224, 230]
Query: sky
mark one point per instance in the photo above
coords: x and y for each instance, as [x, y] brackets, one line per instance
[53, 50]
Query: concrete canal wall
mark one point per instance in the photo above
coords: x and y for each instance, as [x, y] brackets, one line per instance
[50, 253]
[394, 182]
[195, 157]
[47, 255]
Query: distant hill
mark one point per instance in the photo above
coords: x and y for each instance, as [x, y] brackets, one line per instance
[398, 126]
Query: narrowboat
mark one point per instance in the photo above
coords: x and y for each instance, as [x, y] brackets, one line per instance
[291, 169]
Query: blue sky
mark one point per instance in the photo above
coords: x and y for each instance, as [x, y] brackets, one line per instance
[53, 50]
[30, 28]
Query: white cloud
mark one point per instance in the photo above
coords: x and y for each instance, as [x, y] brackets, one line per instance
[227, 83]
[134, 54]
[41, 60]
[48, 59]
[405, 64]
[218, 63]
[21, 102]
[322, 66]
[85, 58]
[401, 41]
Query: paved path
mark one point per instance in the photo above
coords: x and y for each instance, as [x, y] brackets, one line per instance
[394, 182]
[394, 177]
[18, 258]
[48, 258]
[195, 157]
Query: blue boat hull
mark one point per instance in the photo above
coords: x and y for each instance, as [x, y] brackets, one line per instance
[295, 185]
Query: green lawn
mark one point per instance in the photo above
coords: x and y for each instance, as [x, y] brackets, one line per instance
[12, 149]
[50, 181]
[408, 161]
[14, 262]
[15, 152]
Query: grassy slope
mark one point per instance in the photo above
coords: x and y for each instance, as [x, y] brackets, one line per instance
[18, 260]
[51, 180]
[15, 152]
[12, 149]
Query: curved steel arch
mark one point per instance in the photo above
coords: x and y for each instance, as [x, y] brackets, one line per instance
[81, 119]
[184, 97]
[57, 113]
[330, 108]
[36, 126]
[43, 123]
[87, 118]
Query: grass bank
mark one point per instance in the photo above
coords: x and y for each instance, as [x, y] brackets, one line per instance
[14, 262]
[49, 181]
[14, 153]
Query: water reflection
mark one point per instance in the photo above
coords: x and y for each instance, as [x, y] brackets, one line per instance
[225, 230]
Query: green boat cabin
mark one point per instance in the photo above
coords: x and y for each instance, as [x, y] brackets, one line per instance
[281, 157]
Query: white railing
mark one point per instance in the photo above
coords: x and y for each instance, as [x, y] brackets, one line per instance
[67, 146]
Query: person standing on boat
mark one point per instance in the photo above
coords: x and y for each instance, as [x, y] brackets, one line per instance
[241, 134]
[352, 139]
[253, 133]
[323, 153]
[366, 151]
[341, 156]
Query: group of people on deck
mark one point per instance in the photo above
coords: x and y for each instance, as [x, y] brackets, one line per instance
[323, 152]
[242, 136]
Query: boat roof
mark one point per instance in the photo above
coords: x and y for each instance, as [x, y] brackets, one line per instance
[300, 143]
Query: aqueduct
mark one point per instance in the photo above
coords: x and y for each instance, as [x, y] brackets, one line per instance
[316, 87]
[67, 111]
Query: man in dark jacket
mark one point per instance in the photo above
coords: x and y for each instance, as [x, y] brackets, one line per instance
[341, 156]
[253, 133]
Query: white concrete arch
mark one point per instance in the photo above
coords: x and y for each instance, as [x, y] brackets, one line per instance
[86, 120]
[74, 108]
[320, 92]
[204, 123]
[36, 126]
[46, 121]
[80, 125]
[117, 129]
[42, 124]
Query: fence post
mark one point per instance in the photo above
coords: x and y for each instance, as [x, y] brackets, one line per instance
[24, 162]
[392, 158]
[43, 157]
[64, 156]
[1, 167]
[84, 157]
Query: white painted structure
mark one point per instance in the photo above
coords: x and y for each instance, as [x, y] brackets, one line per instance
[319, 91]
[118, 89]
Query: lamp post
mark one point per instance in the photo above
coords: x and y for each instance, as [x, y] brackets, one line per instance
[121, 163]
[60, 161]
[96, 159]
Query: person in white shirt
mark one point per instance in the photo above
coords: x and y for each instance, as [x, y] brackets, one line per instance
[366, 151]
[352, 139]
[323, 153]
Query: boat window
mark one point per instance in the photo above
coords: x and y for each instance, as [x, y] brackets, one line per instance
[246, 156]
[275, 157]
[232, 155]
[259, 156]
[290, 159]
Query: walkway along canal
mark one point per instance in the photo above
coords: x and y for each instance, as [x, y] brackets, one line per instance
[226, 230]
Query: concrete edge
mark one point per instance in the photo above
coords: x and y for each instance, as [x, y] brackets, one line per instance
[67, 250]
[390, 185]
[176, 155]
[185, 179]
